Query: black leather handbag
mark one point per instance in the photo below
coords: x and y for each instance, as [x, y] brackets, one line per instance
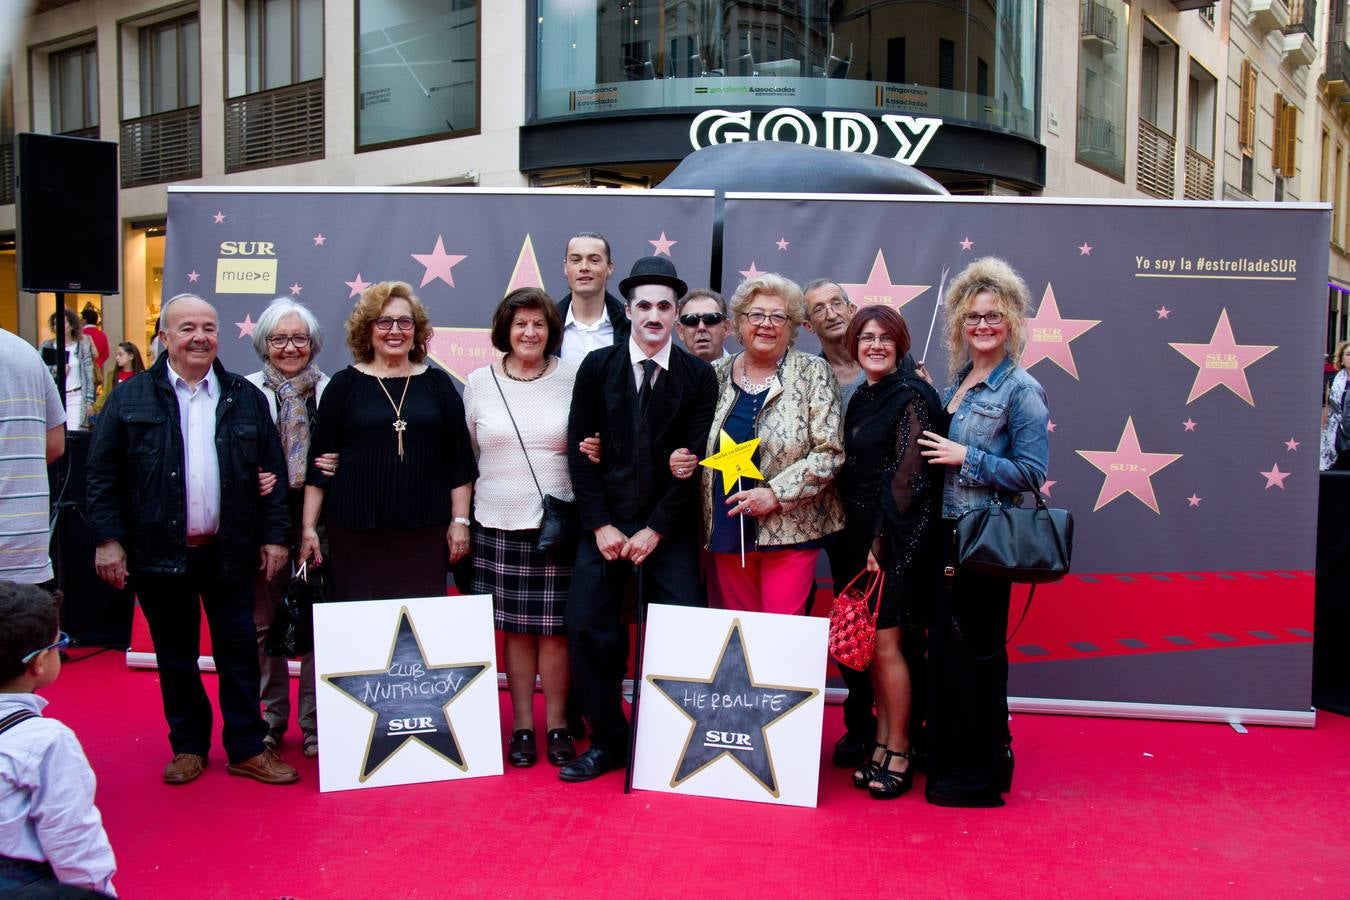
[1030, 546]
[561, 524]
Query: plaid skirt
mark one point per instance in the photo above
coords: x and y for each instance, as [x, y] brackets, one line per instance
[528, 588]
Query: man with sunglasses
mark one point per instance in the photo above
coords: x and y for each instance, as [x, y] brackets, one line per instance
[174, 505]
[644, 398]
[702, 324]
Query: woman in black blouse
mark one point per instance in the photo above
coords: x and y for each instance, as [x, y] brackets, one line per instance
[402, 489]
[892, 504]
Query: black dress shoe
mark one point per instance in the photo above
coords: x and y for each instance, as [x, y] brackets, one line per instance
[939, 797]
[591, 764]
[852, 750]
[522, 752]
[561, 750]
[1009, 763]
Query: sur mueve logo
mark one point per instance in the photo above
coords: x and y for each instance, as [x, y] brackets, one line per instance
[848, 131]
[246, 267]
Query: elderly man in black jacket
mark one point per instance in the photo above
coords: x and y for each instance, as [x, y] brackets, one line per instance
[174, 501]
[645, 398]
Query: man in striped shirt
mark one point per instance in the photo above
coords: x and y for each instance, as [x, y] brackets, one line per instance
[32, 434]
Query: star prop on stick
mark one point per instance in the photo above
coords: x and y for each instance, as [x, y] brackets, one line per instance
[733, 461]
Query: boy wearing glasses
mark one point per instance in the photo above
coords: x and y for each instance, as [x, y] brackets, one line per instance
[50, 830]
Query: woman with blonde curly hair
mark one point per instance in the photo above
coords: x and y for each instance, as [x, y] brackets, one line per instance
[790, 401]
[397, 507]
[997, 446]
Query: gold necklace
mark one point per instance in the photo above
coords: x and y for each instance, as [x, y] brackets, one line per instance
[528, 379]
[400, 426]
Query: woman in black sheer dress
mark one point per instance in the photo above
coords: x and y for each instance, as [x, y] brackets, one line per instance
[892, 504]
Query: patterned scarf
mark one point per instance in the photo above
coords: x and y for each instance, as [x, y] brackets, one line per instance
[292, 416]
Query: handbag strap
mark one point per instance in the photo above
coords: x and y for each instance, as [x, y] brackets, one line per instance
[956, 627]
[1030, 477]
[528, 464]
[874, 584]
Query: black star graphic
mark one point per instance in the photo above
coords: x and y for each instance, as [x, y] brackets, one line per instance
[409, 699]
[729, 713]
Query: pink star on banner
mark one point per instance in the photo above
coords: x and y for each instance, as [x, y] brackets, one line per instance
[1189, 424]
[967, 243]
[782, 243]
[246, 327]
[296, 289]
[218, 217]
[1128, 469]
[661, 246]
[1275, 478]
[461, 350]
[357, 286]
[438, 264]
[1193, 500]
[1045, 488]
[319, 239]
[526, 272]
[1223, 361]
[193, 276]
[1163, 312]
[1291, 445]
[751, 272]
[878, 288]
[1085, 249]
[1050, 426]
[1049, 335]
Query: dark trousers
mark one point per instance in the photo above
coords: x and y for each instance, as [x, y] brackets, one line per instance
[596, 635]
[16, 874]
[170, 604]
[968, 696]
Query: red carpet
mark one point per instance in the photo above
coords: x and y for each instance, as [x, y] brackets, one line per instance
[1129, 808]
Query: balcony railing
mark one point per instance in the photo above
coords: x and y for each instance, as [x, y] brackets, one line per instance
[273, 127]
[1338, 61]
[1096, 22]
[7, 172]
[1199, 176]
[1157, 161]
[1302, 16]
[163, 147]
[1096, 135]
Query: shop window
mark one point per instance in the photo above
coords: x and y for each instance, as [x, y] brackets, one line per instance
[1103, 26]
[417, 72]
[74, 90]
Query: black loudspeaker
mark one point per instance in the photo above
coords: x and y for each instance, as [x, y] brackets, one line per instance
[1331, 633]
[68, 236]
[94, 613]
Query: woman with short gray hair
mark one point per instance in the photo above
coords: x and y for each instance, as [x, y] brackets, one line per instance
[287, 339]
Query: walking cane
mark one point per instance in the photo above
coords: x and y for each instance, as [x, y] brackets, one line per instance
[641, 635]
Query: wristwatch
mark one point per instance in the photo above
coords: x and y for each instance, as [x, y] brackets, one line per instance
[460, 520]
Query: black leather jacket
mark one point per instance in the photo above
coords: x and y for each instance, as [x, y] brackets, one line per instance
[134, 484]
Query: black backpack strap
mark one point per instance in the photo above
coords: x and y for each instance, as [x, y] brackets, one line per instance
[15, 718]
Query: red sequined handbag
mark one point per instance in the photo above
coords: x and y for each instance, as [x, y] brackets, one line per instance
[853, 621]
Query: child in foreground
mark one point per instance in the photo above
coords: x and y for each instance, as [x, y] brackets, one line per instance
[50, 830]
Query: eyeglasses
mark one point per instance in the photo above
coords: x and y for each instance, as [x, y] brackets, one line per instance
[389, 323]
[62, 642]
[990, 318]
[756, 317]
[279, 341]
[882, 340]
[837, 306]
[691, 320]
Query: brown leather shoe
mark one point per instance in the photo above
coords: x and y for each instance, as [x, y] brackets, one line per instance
[266, 767]
[184, 767]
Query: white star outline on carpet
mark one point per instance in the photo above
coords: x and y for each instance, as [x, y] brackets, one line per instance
[795, 699]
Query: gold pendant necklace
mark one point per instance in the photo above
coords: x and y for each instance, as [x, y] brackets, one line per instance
[400, 426]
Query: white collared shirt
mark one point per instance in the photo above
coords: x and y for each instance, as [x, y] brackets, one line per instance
[579, 339]
[636, 356]
[201, 466]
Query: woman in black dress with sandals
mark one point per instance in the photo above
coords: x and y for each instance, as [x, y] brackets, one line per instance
[892, 506]
[397, 507]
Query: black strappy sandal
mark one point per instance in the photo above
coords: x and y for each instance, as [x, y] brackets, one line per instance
[886, 783]
[864, 776]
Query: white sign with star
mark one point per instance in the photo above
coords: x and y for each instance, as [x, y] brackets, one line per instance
[407, 691]
[732, 705]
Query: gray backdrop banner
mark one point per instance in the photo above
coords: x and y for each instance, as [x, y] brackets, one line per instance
[1180, 346]
[461, 249]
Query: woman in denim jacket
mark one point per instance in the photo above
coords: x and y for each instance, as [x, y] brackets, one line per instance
[998, 415]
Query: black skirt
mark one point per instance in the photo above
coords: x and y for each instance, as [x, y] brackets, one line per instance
[387, 564]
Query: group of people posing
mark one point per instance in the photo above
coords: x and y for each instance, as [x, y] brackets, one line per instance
[389, 479]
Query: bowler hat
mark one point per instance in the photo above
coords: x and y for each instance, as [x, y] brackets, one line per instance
[653, 270]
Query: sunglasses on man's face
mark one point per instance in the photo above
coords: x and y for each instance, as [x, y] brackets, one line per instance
[691, 320]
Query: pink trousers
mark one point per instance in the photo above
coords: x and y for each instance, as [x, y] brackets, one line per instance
[777, 581]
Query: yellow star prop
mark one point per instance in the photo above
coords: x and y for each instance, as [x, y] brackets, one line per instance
[733, 461]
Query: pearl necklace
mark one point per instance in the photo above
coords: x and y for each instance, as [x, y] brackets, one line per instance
[753, 387]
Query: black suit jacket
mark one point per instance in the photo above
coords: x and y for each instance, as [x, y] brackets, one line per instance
[604, 400]
[613, 308]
